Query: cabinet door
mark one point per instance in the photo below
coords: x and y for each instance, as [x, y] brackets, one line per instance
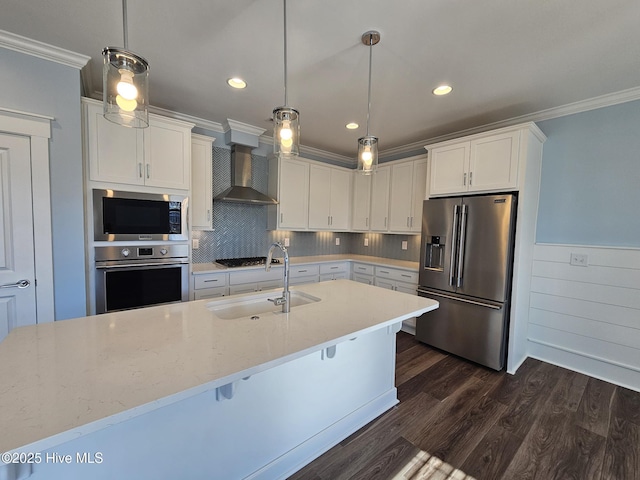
[406, 288]
[380, 199]
[419, 194]
[381, 282]
[340, 199]
[167, 154]
[361, 202]
[368, 279]
[319, 197]
[494, 162]
[293, 196]
[449, 166]
[401, 198]
[201, 178]
[116, 153]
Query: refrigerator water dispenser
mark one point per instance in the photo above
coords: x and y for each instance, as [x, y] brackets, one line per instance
[434, 253]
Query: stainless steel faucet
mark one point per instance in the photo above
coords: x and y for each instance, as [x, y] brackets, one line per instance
[284, 299]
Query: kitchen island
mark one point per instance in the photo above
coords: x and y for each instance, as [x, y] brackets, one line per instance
[175, 391]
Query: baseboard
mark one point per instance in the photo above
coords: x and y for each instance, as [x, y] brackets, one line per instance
[296, 458]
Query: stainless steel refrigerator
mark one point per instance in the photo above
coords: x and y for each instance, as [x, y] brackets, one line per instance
[466, 264]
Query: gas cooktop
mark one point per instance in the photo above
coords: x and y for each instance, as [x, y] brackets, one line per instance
[244, 262]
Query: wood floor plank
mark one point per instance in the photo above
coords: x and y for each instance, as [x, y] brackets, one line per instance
[626, 404]
[510, 386]
[530, 399]
[404, 341]
[568, 391]
[578, 454]
[407, 369]
[622, 453]
[446, 376]
[492, 455]
[388, 462]
[455, 439]
[595, 407]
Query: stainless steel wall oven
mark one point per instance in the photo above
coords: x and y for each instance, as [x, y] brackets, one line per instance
[138, 276]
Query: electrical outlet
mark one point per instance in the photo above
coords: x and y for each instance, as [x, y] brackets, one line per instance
[579, 260]
[366, 242]
[195, 243]
[337, 240]
[405, 245]
[286, 242]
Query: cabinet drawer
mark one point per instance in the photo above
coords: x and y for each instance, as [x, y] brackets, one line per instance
[368, 279]
[210, 281]
[304, 271]
[210, 293]
[395, 274]
[363, 269]
[332, 268]
[302, 280]
[253, 276]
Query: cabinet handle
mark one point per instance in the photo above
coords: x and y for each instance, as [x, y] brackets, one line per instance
[212, 280]
[411, 224]
[382, 271]
[140, 169]
[301, 271]
[361, 268]
[407, 221]
[328, 220]
[331, 217]
[385, 222]
[281, 217]
[366, 221]
[208, 215]
[470, 177]
[334, 268]
[464, 179]
[148, 170]
[407, 276]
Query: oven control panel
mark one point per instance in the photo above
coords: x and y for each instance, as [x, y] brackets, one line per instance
[149, 252]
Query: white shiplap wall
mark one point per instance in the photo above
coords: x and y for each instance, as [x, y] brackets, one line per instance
[587, 319]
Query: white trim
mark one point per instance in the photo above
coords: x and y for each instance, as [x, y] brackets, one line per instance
[38, 129]
[42, 50]
[237, 126]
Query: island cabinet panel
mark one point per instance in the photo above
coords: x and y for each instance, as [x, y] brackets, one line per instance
[265, 426]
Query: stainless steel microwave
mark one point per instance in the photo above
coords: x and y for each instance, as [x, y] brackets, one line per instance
[139, 216]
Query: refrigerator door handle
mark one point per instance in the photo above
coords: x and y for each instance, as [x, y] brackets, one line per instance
[454, 243]
[463, 235]
[422, 292]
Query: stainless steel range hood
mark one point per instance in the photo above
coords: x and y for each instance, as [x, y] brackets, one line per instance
[240, 190]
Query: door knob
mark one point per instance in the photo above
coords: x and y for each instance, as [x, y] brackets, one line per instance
[18, 284]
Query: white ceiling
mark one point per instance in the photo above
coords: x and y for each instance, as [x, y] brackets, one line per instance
[504, 58]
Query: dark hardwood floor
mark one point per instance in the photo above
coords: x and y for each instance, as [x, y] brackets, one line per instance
[459, 420]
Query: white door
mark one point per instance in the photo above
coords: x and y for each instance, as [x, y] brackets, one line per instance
[17, 265]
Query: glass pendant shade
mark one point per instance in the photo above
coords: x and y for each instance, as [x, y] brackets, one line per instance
[286, 131]
[367, 154]
[125, 88]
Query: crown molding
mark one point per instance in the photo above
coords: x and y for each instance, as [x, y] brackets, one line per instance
[42, 50]
[242, 127]
[595, 103]
[197, 121]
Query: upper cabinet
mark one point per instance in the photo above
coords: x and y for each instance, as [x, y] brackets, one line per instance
[380, 182]
[361, 204]
[329, 197]
[486, 162]
[157, 156]
[289, 184]
[408, 190]
[201, 182]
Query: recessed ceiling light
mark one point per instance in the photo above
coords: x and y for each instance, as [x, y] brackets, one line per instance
[352, 125]
[237, 82]
[442, 90]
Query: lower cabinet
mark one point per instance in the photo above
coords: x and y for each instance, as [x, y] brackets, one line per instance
[334, 271]
[301, 274]
[396, 279]
[250, 281]
[210, 285]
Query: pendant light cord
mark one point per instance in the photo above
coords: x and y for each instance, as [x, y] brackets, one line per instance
[286, 100]
[124, 24]
[369, 94]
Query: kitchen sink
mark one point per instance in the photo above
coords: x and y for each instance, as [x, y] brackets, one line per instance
[247, 306]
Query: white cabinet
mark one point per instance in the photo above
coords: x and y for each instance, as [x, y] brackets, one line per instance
[396, 279]
[201, 180]
[380, 199]
[408, 189]
[334, 271]
[487, 162]
[248, 281]
[157, 156]
[329, 197]
[362, 272]
[289, 184]
[361, 202]
[210, 285]
[301, 274]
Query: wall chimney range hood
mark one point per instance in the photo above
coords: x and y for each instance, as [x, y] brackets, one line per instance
[241, 190]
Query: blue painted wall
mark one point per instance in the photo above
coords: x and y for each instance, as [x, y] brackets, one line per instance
[590, 188]
[34, 85]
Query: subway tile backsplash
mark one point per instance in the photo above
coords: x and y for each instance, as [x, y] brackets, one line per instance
[240, 230]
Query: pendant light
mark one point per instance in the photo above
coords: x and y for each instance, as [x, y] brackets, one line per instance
[286, 127]
[368, 145]
[125, 85]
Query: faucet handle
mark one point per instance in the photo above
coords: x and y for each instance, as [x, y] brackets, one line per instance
[277, 301]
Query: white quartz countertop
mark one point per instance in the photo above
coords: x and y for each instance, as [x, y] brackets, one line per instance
[201, 268]
[68, 378]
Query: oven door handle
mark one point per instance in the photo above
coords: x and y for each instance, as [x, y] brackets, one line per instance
[136, 265]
